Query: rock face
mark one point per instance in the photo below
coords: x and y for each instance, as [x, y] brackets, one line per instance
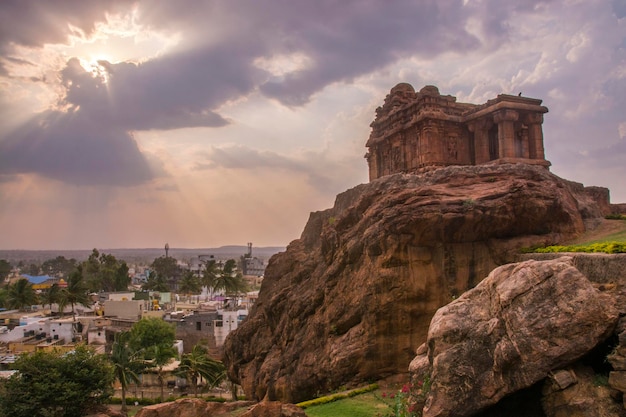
[352, 299]
[519, 324]
[189, 407]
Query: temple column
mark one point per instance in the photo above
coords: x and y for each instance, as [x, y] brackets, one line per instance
[480, 128]
[506, 132]
[535, 135]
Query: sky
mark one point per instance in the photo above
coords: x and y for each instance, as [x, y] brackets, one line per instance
[131, 124]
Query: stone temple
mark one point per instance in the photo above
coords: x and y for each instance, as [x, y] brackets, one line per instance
[414, 132]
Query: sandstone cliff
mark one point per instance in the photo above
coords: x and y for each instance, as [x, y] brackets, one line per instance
[352, 299]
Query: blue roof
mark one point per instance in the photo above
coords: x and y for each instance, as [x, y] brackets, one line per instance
[36, 279]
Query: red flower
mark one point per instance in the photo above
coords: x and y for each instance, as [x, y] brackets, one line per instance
[384, 395]
[405, 388]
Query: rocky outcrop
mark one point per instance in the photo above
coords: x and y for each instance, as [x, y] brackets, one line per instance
[352, 299]
[522, 322]
[575, 392]
[190, 407]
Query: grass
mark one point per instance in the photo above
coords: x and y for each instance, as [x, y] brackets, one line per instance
[363, 405]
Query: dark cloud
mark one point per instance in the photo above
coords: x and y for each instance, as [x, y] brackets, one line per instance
[214, 64]
[70, 148]
[35, 23]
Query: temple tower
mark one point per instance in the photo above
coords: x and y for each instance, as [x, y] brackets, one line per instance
[416, 131]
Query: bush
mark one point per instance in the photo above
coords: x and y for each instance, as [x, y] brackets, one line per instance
[339, 396]
[606, 247]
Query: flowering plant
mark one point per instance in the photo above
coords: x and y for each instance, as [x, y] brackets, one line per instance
[405, 402]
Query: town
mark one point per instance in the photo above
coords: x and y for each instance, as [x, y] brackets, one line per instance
[62, 303]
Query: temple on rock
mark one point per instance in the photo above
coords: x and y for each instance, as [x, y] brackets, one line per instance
[416, 131]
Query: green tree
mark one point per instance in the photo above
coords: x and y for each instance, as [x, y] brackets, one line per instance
[76, 292]
[149, 332]
[21, 294]
[56, 384]
[5, 269]
[230, 280]
[161, 355]
[155, 283]
[155, 338]
[127, 363]
[210, 274]
[167, 268]
[59, 267]
[197, 364]
[189, 284]
[51, 295]
[104, 272]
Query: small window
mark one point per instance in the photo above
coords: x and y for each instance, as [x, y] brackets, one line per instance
[198, 325]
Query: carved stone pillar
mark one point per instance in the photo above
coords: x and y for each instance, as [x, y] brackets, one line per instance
[506, 132]
[535, 135]
[480, 128]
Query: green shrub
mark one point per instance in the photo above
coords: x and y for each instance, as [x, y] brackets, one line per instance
[615, 217]
[339, 396]
[606, 247]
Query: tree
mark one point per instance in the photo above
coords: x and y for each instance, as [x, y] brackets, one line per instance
[155, 338]
[167, 267]
[51, 295]
[149, 332]
[56, 384]
[21, 294]
[103, 272]
[210, 274]
[161, 355]
[155, 282]
[5, 269]
[75, 292]
[197, 365]
[189, 284]
[230, 281]
[224, 277]
[59, 267]
[127, 363]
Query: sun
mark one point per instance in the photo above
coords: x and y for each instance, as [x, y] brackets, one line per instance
[97, 66]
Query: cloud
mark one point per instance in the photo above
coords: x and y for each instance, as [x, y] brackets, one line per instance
[320, 170]
[72, 148]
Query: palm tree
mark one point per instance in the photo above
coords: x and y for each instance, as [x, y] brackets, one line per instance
[155, 282]
[210, 274]
[161, 355]
[51, 296]
[197, 365]
[127, 364]
[75, 292]
[189, 284]
[21, 294]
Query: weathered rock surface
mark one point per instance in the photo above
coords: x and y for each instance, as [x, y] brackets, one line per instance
[190, 407]
[352, 299]
[572, 392]
[523, 321]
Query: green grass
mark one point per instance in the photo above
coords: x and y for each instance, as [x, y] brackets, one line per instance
[363, 405]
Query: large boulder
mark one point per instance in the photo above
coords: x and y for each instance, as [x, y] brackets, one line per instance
[190, 407]
[519, 324]
[351, 300]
